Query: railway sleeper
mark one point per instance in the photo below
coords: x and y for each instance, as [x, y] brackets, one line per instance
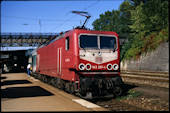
[144, 78]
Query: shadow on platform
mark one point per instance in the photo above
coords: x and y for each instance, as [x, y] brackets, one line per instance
[12, 82]
[3, 77]
[17, 92]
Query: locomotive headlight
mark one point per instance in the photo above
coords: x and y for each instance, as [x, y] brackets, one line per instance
[115, 66]
[82, 66]
[109, 66]
[88, 66]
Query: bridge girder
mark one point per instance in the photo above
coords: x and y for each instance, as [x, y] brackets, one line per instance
[28, 39]
[33, 39]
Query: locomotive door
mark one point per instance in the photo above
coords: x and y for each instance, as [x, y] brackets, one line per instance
[38, 63]
[59, 61]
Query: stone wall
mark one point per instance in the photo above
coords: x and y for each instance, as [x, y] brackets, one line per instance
[157, 60]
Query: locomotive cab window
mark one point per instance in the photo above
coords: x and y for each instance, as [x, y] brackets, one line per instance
[107, 42]
[67, 43]
[88, 41]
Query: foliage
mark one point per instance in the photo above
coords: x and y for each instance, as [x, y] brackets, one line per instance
[107, 21]
[145, 23]
[152, 41]
[117, 20]
[130, 94]
[148, 28]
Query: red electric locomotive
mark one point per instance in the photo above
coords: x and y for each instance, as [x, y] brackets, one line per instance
[83, 62]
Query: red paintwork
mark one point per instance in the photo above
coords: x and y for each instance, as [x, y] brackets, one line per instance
[49, 56]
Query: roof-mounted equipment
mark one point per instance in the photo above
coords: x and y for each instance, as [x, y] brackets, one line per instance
[82, 13]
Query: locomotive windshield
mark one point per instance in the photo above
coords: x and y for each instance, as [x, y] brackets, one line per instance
[107, 42]
[87, 41]
[97, 42]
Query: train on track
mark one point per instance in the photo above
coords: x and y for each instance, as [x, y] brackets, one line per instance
[81, 61]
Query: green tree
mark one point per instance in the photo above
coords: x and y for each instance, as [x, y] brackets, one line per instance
[117, 20]
[144, 22]
[148, 19]
[107, 21]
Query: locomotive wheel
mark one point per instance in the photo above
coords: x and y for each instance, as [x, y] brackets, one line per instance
[72, 88]
[62, 85]
[54, 82]
[117, 91]
[45, 79]
[67, 88]
[49, 80]
[36, 76]
[42, 78]
[39, 76]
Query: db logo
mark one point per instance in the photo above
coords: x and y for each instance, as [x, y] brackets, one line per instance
[99, 59]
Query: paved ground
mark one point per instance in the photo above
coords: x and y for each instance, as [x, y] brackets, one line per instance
[22, 93]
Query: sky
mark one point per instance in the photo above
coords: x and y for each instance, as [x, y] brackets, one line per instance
[51, 16]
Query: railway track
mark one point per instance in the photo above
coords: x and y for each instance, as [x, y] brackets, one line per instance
[114, 105]
[143, 102]
[146, 78]
[159, 79]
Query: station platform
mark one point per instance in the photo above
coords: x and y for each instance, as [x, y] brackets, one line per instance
[22, 93]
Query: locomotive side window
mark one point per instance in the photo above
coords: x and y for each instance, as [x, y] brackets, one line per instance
[67, 43]
[107, 42]
[88, 41]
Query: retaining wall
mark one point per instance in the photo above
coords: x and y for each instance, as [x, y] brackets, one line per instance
[157, 60]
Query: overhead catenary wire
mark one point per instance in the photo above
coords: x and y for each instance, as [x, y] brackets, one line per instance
[75, 15]
[63, 9]
[91, 5]
[63, 23]
[36, 19]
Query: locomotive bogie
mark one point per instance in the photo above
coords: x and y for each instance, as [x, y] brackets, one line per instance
[100, 86]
